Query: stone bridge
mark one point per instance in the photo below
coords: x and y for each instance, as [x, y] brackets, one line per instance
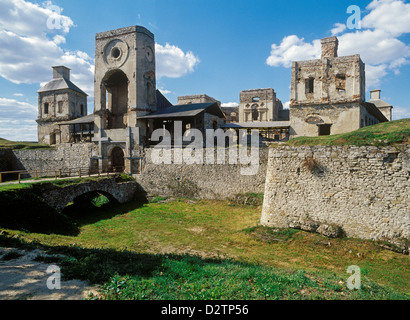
[59, 197]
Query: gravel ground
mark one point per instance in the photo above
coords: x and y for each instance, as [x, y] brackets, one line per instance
[22, 278]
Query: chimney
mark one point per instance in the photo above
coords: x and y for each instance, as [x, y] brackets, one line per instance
[61, 72]
[329, 47]
[375, 94]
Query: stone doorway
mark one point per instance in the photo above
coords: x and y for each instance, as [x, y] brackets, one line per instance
[117, 160]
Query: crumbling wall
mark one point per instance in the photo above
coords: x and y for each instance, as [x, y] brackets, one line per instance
[65, 156]
[202, 181]
[362, 192]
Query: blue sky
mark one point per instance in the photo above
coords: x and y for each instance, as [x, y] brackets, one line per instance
[203, 46]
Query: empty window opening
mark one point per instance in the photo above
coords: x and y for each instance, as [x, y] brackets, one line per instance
[309, 85]
[255, 113]
[46, 107]
[53, 139]
[341, 82]
[82, 110]
[116, 99]
[115, 53]
[324, 129]
[256, 99]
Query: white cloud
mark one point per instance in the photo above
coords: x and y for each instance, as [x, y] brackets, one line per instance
[286, 105]
[164, 91]
[172, 62]
[374, 75]
[229, 104]
[58, 39]
[392, 16]
[16, 130]
[374, 46]
[291, 49]
[31, 39]
[338, 28]
[17, 110]
[30, 44]
[401, 113]
[17, 120]
[377, 42]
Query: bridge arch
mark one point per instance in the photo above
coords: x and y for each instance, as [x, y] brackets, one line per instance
[59, 198]
[89, 200]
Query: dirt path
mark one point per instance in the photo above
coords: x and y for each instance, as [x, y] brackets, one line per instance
[23, 278]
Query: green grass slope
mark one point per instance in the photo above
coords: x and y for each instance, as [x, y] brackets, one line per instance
[14, 145]
[383, 134]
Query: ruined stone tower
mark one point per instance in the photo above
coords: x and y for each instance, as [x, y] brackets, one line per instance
[59, 100]
[125, 89]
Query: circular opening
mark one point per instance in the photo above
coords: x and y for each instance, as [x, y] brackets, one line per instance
[115, 53]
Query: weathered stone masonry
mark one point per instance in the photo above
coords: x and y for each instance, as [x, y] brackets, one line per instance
[64, 156]
[362, 191]
[207, 181]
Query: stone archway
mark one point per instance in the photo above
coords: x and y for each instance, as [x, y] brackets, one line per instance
[117, 159]
[116, 98]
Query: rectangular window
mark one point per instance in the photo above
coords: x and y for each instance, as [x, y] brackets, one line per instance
[46, 108]
[60, 107]
[341, 82]
[324, 129]
[309, 85]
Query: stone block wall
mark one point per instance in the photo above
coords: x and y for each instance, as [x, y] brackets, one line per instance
[362, 192]
[201, 181]
[65, 156]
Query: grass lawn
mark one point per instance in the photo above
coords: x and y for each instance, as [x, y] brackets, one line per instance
[6, 144]
[185, 249]
[382, 134]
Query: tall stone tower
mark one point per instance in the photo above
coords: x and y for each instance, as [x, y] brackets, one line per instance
[125, 89]
[59, 100]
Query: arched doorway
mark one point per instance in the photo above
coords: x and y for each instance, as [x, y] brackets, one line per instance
[117, 159]
[116, 97]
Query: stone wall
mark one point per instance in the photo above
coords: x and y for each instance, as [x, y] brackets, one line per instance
[204, 181]
[362, 192]
[65, 156]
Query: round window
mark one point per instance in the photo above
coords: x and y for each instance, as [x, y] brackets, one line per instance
[115, 53]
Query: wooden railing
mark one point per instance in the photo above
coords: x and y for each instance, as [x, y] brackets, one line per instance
[58, 174]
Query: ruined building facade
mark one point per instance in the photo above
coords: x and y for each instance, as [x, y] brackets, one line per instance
[328, 94]
[259, 105]
[59, 100]
[327, 97]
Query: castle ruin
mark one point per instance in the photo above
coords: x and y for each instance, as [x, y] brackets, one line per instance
[327, 97]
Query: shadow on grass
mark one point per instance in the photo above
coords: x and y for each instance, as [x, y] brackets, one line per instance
[85, 211]
[24, 210]
[126, 275]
